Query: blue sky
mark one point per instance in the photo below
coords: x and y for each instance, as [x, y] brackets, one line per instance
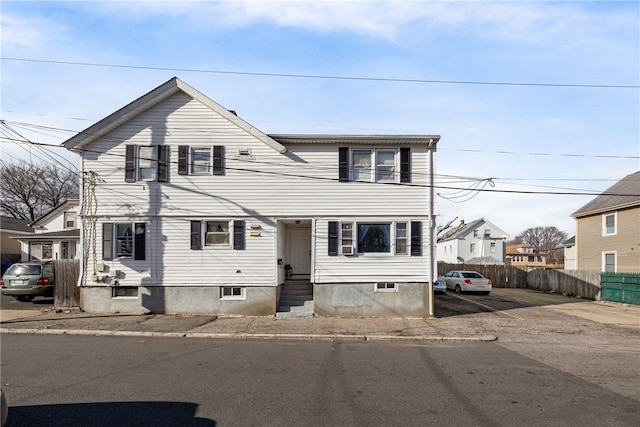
[536, 136]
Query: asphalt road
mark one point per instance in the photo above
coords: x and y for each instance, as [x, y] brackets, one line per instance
[105, 381]
[10, 303]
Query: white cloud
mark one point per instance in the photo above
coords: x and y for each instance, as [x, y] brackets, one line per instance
[19, 32]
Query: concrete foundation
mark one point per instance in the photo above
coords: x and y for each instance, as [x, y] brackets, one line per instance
[411, 300]
[260, 301]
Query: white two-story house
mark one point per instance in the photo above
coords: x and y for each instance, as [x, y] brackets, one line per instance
[476, 242]
[56, 235]
[190, 209]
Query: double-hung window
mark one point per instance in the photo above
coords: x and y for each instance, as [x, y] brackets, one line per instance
[374, 164]
[123, 240]
[609, 224]
[363, 161]
[146, 163]
[201, 160]
[217, 233]
[401, 238]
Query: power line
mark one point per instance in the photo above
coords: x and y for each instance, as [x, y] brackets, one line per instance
[598, 156]
[327, 77]
[469, 191]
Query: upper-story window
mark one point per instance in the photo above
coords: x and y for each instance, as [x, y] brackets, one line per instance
[374, 164]
[201, 160]
[146, 163]
[609, 224]
[69, 220]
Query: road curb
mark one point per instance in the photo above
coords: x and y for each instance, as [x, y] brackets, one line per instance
[305, 337]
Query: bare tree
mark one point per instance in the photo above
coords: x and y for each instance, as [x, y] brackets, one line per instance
[547, 240]
[30, 190]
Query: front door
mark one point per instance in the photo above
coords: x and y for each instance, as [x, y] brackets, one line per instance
[300, 252]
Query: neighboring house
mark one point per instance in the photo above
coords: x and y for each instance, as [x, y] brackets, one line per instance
[56, 234]
[526, 257]
[193, 210]
[477, 242]
[570, 253]
[608, 229]
[10, 229]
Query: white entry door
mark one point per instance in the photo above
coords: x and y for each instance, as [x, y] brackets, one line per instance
[300, 250]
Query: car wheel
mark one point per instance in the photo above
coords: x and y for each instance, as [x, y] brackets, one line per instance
[458, 289]
[485, 293]
[24, 298]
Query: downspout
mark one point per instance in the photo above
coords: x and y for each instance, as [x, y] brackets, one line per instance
[432, 229]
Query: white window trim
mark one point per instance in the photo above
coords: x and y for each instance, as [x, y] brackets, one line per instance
[192, 163]
[373, 161]
[229, 232]
[116, 253]
[392, 238]
[153, 161]
[604, 260]
[393, 288]
[130, 297]
[242, 296]
[615, 224]
[69, 214]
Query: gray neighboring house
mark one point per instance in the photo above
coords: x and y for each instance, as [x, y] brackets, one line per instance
[608, 229]
[10, 229]
[477, 242]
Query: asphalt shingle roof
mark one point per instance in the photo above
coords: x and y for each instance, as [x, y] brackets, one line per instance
[624, 193]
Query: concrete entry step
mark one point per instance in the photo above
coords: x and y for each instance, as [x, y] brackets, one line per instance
[296, 299]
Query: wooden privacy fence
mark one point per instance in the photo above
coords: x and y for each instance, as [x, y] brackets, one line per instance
[575, 283]
[66, 292]
[621, 287]
[502, 276]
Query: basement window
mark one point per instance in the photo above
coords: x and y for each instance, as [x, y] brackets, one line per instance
[233, 292]
[124, 292]
[386, 287]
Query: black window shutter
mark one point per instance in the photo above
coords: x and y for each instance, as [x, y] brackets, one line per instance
[163, 163]
[130, 164]
[196, 235]
[107, 241]
[405, 164]
[416, 238]
[139, 245]
[333, 238]
[183, 160]
[238, 235]
[218, 160]
[343, 164]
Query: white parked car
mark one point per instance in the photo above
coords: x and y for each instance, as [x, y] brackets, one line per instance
[467, 281]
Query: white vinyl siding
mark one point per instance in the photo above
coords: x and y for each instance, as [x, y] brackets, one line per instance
[258, 188]
[372, 268]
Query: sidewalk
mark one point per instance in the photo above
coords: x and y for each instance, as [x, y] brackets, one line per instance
[472, 327]
[156, 325]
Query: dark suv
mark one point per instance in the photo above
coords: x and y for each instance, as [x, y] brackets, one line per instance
[26, 280]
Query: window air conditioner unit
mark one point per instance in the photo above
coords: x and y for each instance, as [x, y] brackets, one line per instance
[348, 250]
